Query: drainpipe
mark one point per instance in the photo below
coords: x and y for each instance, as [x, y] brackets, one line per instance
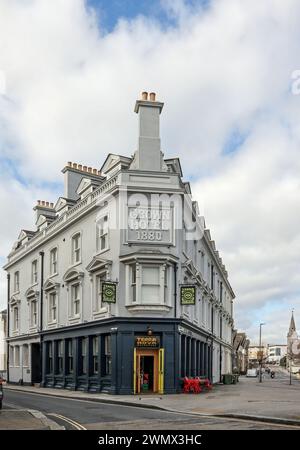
[41, 313]
[8, 316]
[175, 289]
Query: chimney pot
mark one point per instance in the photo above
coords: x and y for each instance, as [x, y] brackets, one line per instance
[144, 95]
[90, 169]
[84, 168]
[51, 205]
[99, 172]
[152, 96]
[79, 166]
[70, 164]
[74, 166]
[43, 203]
[47, 203]
[95, 171]
[39, 202]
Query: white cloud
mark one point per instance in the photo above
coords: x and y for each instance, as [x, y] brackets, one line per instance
[70, 92]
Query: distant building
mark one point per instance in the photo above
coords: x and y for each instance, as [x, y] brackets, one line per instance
[253, 354]
[293, 348]
[276, 353]
[3, 345]
[240, 352]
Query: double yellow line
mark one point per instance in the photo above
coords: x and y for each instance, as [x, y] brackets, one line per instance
[72, 422]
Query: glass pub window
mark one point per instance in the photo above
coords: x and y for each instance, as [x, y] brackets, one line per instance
[50, 358]
[108, 354]
[59, 356]
[95, 354]
[70, 356]
[83, 355]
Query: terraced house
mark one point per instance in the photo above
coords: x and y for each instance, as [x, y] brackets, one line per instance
[120, 287]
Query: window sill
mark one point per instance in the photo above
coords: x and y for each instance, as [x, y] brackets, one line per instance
[102, 251]
[53, 275]
[75, 319]
[75, 265]
[153, 308]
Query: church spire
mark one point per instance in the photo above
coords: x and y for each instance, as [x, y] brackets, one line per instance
[292, 328]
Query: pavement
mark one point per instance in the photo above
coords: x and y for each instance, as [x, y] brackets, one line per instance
[26, 419]
[273, 400]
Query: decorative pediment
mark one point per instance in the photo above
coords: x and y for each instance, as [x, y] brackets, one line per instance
[31, 293]
[25, 234]
[14, 300]
[174, 165]
[112, 160]
[72, 274]
[62, 202]
[50, 285]
[98, 263]
[87, 184]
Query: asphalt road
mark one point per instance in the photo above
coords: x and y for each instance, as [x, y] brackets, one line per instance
[78, 414]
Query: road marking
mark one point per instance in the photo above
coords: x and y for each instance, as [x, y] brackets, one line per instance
[72, 422]
[184, 413]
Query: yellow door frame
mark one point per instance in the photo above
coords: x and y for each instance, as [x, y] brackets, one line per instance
[161, 370]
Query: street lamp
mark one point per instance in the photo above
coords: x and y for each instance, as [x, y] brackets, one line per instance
[260, 352]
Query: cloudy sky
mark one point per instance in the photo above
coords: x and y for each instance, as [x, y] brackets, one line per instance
[70, 72]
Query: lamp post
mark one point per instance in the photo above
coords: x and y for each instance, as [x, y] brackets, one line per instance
[260, 352]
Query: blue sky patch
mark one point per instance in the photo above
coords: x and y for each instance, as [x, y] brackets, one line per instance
[109, 12]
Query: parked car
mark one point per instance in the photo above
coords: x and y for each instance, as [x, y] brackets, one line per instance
[251, 373]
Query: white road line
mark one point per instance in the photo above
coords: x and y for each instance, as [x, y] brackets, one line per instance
[72, 422]
[184, 413]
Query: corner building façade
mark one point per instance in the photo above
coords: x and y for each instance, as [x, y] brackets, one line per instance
[120, 287]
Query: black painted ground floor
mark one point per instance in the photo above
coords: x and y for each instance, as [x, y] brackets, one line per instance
[123, 356]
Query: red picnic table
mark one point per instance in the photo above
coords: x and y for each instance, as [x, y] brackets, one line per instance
[195, 384]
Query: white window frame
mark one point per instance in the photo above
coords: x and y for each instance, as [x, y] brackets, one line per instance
[16, 318]
[53, 262]
[76, 250]
[17, 281]
[34, 272]
[75, 286]
[51, 308]
[102, 233]
[33, 313]
[134, 283]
